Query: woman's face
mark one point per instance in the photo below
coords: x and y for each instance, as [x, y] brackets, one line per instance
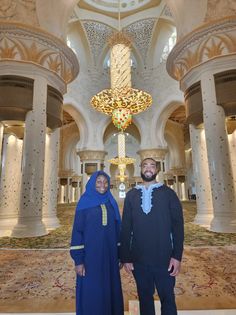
[101, 184]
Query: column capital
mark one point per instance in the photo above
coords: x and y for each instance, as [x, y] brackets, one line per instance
[156, 154]
[168, 175]
[91, 155]
[178, 171]
[208, 42]
[77, 178]
[31, 45]
[66, 173]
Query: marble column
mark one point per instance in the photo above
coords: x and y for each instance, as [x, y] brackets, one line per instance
[76, 188]
[177, 188]
[61, 198]
[65, 189]
[201, 177]
[10, 183]
[177, 173]
[30, 213]
[50, 188]
[93, 157]
[1, 139]
[69, 190]
[183, 191]
[84, 178]
[221, 175]
[232, 148]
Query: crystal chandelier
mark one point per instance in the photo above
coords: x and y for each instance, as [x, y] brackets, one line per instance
[121, 101]
[121, 160]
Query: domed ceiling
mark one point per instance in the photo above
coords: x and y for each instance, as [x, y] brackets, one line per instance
[111, 6]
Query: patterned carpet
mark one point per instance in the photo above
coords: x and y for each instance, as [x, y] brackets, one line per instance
[60, 238]
[43, 280]
[36, 274]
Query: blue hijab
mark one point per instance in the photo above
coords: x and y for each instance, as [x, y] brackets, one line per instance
[92, 198]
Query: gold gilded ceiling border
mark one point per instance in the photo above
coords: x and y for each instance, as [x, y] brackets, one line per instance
[91, 155]
[212, 40]
[21, 43]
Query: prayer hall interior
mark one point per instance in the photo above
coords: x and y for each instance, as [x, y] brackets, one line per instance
[58, 55]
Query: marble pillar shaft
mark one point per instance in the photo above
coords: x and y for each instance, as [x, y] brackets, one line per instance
[10, 183]
[30, 214]
[51, 181]
[201, 177]
[221, 175]
[1, 139]
[232, 148]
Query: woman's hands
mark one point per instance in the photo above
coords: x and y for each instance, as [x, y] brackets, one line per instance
[80, 270]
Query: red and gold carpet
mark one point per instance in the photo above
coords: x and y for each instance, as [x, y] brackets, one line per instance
[43, 280]
[36, 274]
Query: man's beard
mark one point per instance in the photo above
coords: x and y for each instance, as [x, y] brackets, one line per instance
[148, 179]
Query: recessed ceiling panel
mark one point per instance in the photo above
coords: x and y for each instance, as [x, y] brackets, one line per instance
[112, 5]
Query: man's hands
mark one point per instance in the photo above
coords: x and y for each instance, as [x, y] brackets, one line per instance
[80, 270]
[175, 266]
[128, 267]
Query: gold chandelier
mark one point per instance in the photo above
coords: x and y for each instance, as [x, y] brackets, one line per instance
[121, 101]
[121, 160]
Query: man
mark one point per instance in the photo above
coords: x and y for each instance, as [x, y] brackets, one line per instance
[152, 236]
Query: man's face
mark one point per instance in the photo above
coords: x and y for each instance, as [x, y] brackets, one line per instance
[148, 170]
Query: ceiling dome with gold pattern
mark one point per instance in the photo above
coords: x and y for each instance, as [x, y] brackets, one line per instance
[112, 5]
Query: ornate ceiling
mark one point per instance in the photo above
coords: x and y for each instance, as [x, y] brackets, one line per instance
[140, 32]
[140, 29]
[179, 115]
[67, 118]
[112, 5]
[97, 35]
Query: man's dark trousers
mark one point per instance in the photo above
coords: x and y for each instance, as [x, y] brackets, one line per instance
[147, 278]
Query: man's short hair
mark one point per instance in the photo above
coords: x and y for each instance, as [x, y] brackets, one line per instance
[157, 164]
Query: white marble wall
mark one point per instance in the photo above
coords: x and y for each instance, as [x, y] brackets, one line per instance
[51, 181]
[10, 183]
[201, 176]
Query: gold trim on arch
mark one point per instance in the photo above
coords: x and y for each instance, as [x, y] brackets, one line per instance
[22, 43]
[212, 40]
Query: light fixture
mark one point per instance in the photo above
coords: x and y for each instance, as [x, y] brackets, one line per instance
[121, 161]
[121, 101]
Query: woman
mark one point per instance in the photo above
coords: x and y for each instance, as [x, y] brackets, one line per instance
[94, 250]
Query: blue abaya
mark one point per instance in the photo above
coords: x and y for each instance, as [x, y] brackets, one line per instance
[94, 243]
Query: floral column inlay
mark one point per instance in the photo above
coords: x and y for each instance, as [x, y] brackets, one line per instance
[232, 143]
[222, 183]
[10, 183]
[30, 214]
[1, 138]
[201, 176]
[51, 181]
